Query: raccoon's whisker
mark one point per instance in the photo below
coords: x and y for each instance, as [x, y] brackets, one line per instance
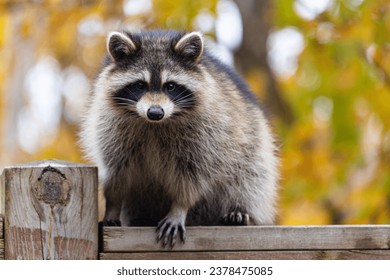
[178, 100]
[185, 105]
[180, 95]
[185, 100]
[127, 101]
[188, 102]
[124, 105]
[120, 102]
[132, 93]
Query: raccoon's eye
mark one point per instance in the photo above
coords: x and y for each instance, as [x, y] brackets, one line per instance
[140, 85]
[170, 87]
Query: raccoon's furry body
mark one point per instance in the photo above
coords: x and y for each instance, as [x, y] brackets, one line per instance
[178, 137]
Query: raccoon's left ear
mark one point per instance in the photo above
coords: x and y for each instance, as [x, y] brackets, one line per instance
[190, 46]
[120, 46]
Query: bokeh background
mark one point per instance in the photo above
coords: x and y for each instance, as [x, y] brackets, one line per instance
[322, 67]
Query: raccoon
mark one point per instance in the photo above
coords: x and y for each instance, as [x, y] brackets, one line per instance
[178, 137]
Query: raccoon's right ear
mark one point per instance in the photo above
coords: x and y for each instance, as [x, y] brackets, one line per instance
[120, 46]
[190, 46]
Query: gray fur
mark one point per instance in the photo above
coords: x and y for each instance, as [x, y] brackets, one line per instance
[208, 162]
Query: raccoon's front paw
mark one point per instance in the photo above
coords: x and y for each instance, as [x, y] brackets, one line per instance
[111, 223]
[236, 218]
[168, 230]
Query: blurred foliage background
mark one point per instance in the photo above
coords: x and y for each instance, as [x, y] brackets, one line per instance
[322, 67]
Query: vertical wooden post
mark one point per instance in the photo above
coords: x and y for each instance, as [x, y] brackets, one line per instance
[1, 237]
[2, 200]
[50, 211]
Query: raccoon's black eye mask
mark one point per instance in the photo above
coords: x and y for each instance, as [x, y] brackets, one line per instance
[179, 94]
[174, 90]
[134, 91]
[131, 92]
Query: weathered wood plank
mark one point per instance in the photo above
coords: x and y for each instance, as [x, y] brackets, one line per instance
[2, 210]
[1, 249]
[253, 238]
[253, 255]
[50, 211]
[2, 195]
[1, 237]
[1, 226]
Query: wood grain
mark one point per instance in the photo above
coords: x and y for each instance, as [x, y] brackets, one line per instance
[1, 226]
[50, 211]
[2, 195]
[254, 255]
[1, 237]
[253, 238]
[1, 249]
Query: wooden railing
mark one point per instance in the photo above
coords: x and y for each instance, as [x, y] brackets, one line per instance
[49, 211]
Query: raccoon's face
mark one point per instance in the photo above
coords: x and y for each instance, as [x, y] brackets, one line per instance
[154, 75]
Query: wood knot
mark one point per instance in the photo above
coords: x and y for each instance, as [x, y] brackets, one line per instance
[52, 187]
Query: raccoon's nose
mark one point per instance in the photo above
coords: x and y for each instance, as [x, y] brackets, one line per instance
[155, 113]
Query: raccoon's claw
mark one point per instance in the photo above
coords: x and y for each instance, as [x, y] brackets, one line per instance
[112, 223]
[168, 230]
[237, 218]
